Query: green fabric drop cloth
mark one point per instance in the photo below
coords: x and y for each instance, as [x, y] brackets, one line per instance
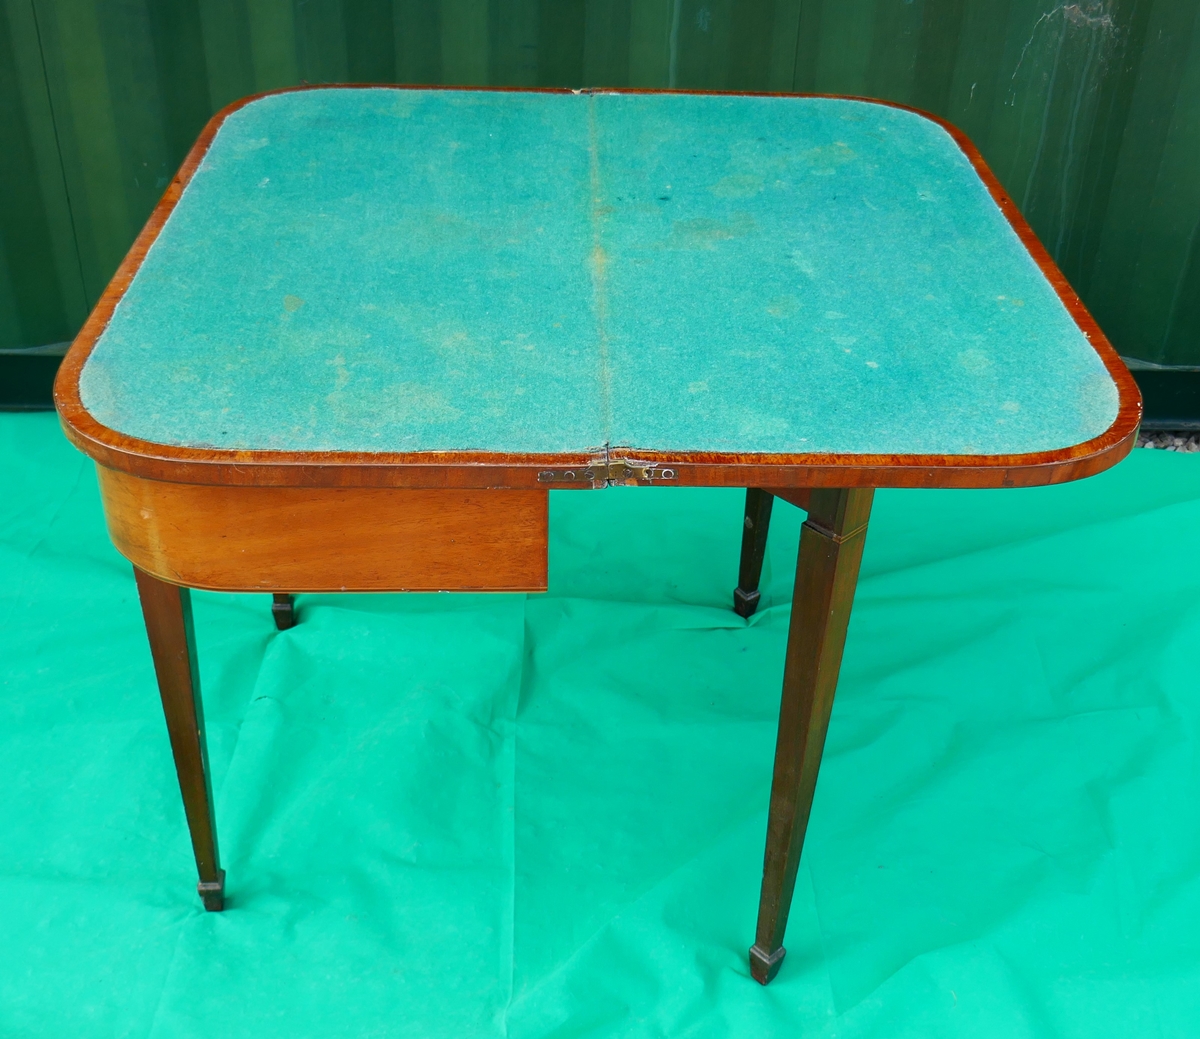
[543, 815]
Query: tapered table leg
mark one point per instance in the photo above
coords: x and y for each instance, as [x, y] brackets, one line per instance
[831, 545]
[167, 609]
[283, 609]
[754, 547]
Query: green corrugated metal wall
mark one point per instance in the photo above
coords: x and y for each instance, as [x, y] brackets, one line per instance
[1088, 112]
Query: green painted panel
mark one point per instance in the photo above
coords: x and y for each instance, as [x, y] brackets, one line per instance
[1089, 112]
[417, 31]
[41, 290]
[370, 41]
[27, 315]
[86, 125]
[1145, 278]
[464, 41]
[606, 42]
[651, 35]
[561, 28]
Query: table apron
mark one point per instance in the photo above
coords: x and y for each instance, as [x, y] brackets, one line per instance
[312, 539]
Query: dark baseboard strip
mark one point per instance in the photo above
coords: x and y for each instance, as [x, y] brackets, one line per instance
[1172, 397]
[27, 379]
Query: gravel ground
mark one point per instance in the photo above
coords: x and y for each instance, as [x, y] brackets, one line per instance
[1168, 441]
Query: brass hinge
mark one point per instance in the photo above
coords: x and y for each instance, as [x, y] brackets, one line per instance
[616, 471]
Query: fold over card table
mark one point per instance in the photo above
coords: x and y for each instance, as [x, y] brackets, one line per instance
[368, 329]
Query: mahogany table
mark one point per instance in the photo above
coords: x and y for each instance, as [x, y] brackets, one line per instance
[368, 329]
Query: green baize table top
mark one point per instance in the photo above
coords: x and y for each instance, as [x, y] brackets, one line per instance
[397, 270]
